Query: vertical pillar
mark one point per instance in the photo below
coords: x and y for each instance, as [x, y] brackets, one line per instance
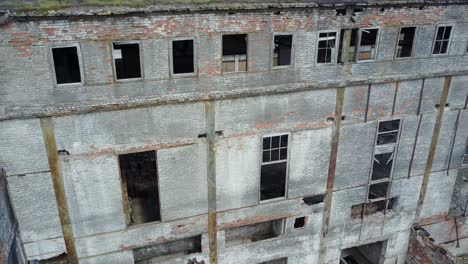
[331, 172]
[432, 149]
[211, 178]
[346, 40]
[59, 188]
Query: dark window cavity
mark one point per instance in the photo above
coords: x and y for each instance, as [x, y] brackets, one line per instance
[368, 44]
[282, 50]
[167, 251]
[234, 53]
[139, 176]
[274, 167]
[382, 167]
[465, 156]
[388, 132]
[378, 191]
[127, 60]
[253, 233]
[405, 42]
[326, 47]
[183, 56]
[365, 254]
[316, 199]
[299, 222]
[276, 261]
[442, 40]
[66, 65]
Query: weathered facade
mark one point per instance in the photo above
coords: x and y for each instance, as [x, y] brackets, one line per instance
[301, 132]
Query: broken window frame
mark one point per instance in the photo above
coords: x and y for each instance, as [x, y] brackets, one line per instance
[381, 149]
[449, 40]
[413, 47]
[359, 40]
[464, 160]
[80, 62]
[334, 59]
[124, 188]
[291, 64]
[274, 162]
[246, 54]
[195, 58]
[114, 67]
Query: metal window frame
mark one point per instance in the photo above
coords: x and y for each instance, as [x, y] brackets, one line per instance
[140, 53]
[449, 39]
[246, 53]
[80, 62]
[195, 58]
[395, 154]
[124, 189]
[286, 183]
[413, 47]
[334, 59]
[272, 52]
[377, 44]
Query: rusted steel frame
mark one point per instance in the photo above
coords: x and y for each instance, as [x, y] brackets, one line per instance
[456, 231]
[331, 172]
[211, 180]
[455, 129]
[59, 188]
[432, 149]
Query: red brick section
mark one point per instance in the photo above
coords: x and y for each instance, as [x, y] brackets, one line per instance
[423, 250]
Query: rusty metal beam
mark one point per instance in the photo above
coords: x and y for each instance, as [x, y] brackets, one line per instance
[59, 188]
[331, 172]
[211, 180]
[433, 147]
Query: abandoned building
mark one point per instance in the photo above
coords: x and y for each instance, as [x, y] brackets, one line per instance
[297, 131]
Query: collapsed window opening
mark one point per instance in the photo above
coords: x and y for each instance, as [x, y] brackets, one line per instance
[282, 50]
[276, 261]
[183, 60]
[316, 199]
[378, 191]
[357, 11]
[327, 47]
[465, 157]
[359, 210]
[442, 40]
[382, 166]
[127, 60]
[367, 44]
[274, 167]
[234, 53]
[253, 233]
[405, 42]
[341, 11]
[139, 175]
[299, 222]
[66, 65]
[365, 254]
[348, 46]
[163, 252]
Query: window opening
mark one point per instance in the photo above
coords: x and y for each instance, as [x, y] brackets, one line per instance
[127, 60]
[139, 174]
[379, 184]
[365, 254]
[253, 233]
[441, 42]
[368, 44]
[465, 157]
[183, 56]
[276, 261]
[405, 42]
[282, 50]
[326, 47]
[274, 167]
[316, 199]
[234, 53]
[166, 251]
[66, 65]
[299, 222]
